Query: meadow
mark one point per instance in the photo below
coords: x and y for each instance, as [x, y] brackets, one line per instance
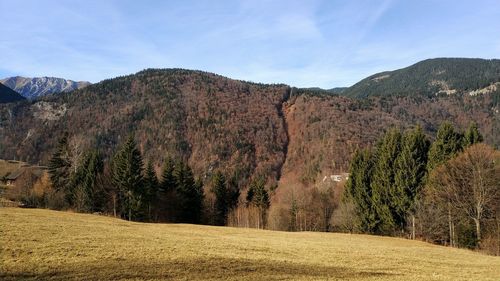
[41, 244]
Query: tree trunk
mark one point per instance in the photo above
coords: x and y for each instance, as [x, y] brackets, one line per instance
[413, 227]
[450, 225]
[478, 231]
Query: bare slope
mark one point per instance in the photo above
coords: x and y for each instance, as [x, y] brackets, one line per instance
[48, 245]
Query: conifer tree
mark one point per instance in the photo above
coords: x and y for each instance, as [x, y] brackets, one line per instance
[472, 136]
[87, 197]
[60, 169]
[151, 188]
[219, 188]
[383, 178]
[167, 178]
[410, 174]
[259, 197]
[448, 143]
[189, 194]
[358, 190]
[127, 176]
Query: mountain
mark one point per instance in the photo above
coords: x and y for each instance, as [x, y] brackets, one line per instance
[441, 76]
[294, 137]
[8, 95]
[32, 88]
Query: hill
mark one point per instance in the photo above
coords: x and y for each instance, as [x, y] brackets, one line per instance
[292, 136]
[31, 88]
[8, 95]
[432, 77]
[67, 246]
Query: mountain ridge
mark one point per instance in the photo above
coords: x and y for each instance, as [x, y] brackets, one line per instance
[35, 87]
[294, 137]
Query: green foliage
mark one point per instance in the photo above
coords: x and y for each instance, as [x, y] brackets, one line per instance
[127, 177]
[410, 173]
[429, 77]
[472, 136]
[257, 194]
[189, 194]
[383, 179]
[59, 165]
[448, 143]
[219, 188]
[358, 190]
[151, 188]
[87, 195]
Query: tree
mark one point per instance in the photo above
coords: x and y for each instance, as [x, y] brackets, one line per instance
[219, 188]
[257, 196]
[411, 171]
[358, 190]
[471, 183]
[60, 168]
[383, 182]
[127, 176]
[167, 177]
[189, 194]
[448, 143]
[472, 135]
[87, 196]
[150, 188]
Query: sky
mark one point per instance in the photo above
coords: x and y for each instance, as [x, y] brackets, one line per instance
[314, 43]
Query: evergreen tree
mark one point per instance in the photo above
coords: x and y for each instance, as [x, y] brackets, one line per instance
[167, 176]
[448, 143]
[219, 188]
[410, 174]
[472, 136]
[151, 188]
[189, 194]
[259, 197]
[127, 176]
[358, 190]
[59, 166]
[87, 196]
[382, 183]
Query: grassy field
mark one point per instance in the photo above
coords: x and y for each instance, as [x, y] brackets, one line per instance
[48, 245]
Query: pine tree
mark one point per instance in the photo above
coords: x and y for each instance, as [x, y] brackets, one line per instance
[87, 197]
[410, 174]
[167, 177]
[358, 190]
[448, 143]
[127, 176]
[151, 189]
[259, 197]
[383, 178]
[472, 136]
[60, 169]
[219, 188]
[59, 165]
[189, 194]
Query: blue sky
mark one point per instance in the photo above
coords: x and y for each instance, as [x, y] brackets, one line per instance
[301, 43]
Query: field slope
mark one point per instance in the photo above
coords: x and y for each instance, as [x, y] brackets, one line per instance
[49, 245]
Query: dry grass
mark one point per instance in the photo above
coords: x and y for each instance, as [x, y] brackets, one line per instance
[48, 245]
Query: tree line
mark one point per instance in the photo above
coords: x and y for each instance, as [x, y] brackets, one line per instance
[128, 187]
[443, 191]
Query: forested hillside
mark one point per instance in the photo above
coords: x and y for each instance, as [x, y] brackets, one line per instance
[294, 136]
[442, 76]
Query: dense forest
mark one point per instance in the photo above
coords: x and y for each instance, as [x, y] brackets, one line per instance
[430, 77]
